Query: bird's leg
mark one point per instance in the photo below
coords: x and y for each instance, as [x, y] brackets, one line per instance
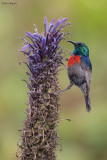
[70, 85]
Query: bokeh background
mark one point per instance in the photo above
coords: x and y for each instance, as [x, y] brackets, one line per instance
[85, 137]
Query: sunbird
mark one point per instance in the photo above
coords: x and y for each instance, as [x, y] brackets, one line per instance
[79, 70]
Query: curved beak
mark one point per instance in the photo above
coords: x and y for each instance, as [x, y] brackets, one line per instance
[74, 43]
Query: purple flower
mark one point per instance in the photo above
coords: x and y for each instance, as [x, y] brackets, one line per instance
[44, 46]
[44, 55]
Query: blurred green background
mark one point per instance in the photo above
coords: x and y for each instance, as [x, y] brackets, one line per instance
[85, 137]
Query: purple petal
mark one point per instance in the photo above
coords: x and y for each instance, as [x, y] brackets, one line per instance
[53, 20]
[58, 23]
[36, 36]
[45, 20]
[30, 51]
[64, 25]
[46, 24]
[29, 34]
[44, 41]
[63, 20]
[50, 26]
[60, 19]
[55, 26]
[25, 47]
[35, 28]
[61, 28]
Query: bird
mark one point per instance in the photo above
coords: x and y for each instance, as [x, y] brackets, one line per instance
[79, 70]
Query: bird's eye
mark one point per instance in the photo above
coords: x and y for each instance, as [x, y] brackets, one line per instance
[79, 45]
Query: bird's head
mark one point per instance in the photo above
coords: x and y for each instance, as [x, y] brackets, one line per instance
[80, 48]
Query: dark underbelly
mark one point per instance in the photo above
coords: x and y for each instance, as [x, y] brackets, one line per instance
[77, 80]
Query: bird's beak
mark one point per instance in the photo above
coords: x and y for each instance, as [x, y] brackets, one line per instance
[74, 43]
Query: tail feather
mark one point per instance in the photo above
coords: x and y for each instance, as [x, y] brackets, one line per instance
[88, 104]
[85, 90]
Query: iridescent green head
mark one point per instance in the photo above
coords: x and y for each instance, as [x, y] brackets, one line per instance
[80, 48]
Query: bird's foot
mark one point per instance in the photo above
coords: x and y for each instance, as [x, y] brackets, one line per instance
[66, 88]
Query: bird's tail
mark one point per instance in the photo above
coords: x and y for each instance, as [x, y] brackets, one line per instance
[88, 104]
[85, 90]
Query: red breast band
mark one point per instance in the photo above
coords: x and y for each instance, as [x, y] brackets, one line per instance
[72, 60]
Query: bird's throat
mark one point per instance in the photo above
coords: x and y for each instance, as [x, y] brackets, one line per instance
[73, 60]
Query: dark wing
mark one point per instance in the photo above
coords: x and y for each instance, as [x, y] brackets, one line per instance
[87, 63]
[87, 68]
